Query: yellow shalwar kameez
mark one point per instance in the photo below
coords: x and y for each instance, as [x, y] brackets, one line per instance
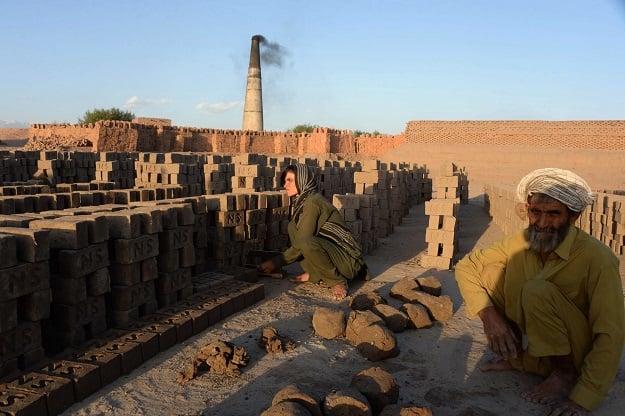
[573, 304]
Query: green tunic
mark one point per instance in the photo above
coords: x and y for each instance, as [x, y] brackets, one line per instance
[321, 258]
[571, 305]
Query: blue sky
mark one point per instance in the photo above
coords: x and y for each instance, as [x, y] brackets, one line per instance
[353, 65]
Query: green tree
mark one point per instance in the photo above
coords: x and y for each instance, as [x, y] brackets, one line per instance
[106, 114]
[304, 128]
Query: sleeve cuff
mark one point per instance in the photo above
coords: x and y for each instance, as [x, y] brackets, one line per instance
[585, 397]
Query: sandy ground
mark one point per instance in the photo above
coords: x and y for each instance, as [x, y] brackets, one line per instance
[436, 367]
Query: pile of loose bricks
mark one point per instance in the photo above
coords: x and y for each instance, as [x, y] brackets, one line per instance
[605, 219]
[98, 277]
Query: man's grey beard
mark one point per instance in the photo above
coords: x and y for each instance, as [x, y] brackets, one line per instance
[546, 240]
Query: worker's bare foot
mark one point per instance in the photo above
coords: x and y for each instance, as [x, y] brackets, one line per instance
[301, 278]
[339, 291]
[553, 389]
[497, 365]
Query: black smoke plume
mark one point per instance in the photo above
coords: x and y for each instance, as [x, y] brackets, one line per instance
[271, 53]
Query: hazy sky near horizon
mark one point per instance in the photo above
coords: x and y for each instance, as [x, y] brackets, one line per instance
[355, 65]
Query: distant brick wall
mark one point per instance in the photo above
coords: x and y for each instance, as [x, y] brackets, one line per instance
[580, 134]
[127, 136]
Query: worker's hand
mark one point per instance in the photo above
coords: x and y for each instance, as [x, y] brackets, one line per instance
[267, 266]
[501, 338]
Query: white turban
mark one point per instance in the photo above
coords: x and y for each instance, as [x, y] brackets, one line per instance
[560, 184]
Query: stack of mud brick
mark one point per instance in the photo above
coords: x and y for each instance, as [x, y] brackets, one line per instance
[330, 179]
[226, 228]
[85, 194]
[277, 220]
[251, 173]
[184, 170]
[400, 199]
[17, 166]
[501, 204]
[65, 166]
[176, 253]
[441, 234]
[116, 167]
[19, 199]
[420, 185]
[218, 171]
[79, 260]
[453, 183]
[24, 297]
[374, 180]
[360, 215]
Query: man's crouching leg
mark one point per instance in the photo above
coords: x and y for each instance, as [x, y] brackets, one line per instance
[558, 335]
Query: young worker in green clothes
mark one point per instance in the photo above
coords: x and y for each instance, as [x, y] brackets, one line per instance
[319, 239]
[557, 286]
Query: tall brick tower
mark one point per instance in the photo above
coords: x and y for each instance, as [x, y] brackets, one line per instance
[253, 110]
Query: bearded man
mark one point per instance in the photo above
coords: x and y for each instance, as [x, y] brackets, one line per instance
[550, 297]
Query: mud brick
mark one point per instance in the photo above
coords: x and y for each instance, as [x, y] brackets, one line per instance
[200, 317]
[65, 234]
[175, 238]
[148, 342]
[166, 332]
[70, 290]
[255, 216]
[74, 263]
[137, 249]
[23, 279]
[125, 274]
[250, 295]
[85, 377]
[129, 352]
[151, 219]
[69, 316]
[32, 245]
[229, 218]
[58, 391]
[437, 262]
[187, 256]
[185, 213]
[238, 233]
[439, 236]
[35, 306]
[124, 298]
[170, 282]
[19, 402]
[125, 317]
[183, 324]
[8, 248]
[168, 261]
[149, 269]
[8, 315]
[109, 364]
[442, 207]
[123, 224]
[98, 282]
[24, 338]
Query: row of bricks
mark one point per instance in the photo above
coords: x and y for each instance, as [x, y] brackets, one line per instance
[52, 387]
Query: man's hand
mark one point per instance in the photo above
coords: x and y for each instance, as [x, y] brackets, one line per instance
[501, 338]
[267, 266]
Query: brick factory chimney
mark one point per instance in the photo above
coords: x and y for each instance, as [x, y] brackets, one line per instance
[253, 110]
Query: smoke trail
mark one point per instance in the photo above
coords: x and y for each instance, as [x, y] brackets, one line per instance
[272, 53]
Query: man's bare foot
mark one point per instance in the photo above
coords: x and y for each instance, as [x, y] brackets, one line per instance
[497, 365]
[301, 278]
[567, 407]
[339, 291]
[553, 389]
